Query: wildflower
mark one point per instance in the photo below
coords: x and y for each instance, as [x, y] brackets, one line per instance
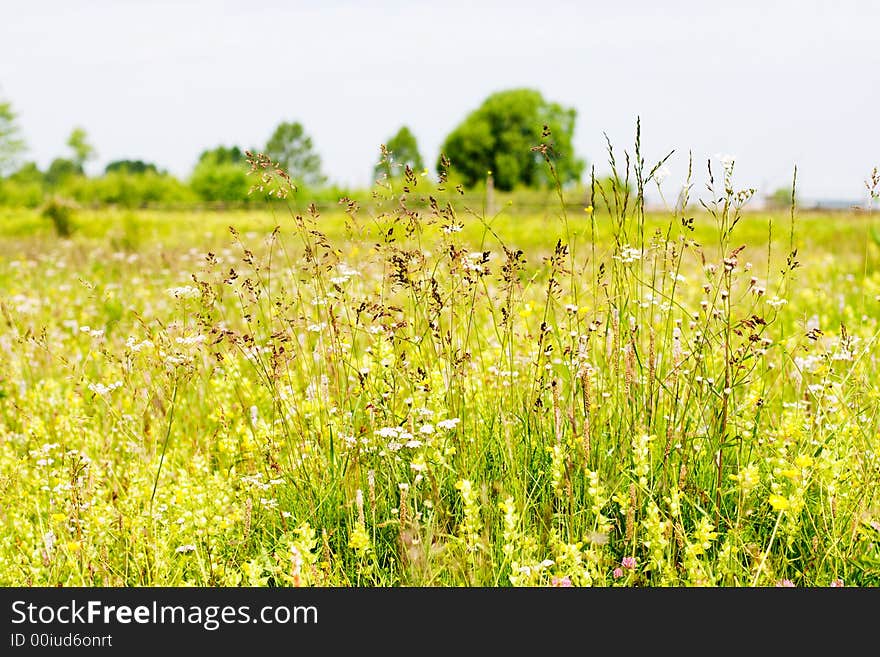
[427, 429]
[137, 346]
[785, 583]
[183, 549]
[448, 424]
[95, 333]
[359, 540]
[617, 573]
[101, 389]
[779, 503]
[628, 562]
[345, 273]
[49, 540]
[561, 581]
[628, 254]
[191, 340]
[183, 292]
[837, 583]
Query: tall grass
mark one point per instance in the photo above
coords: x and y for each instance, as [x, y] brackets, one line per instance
[419, 393]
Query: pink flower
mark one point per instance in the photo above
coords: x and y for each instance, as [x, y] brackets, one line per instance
[561, 581]
[618, 573]
[785, 583]
[629, 563]
[837, 583]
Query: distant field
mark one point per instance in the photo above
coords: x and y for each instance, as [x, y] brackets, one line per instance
[382, 398]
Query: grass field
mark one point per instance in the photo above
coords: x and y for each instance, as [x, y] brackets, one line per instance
[390, 397]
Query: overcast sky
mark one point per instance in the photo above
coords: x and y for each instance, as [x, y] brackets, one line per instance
[775, 84]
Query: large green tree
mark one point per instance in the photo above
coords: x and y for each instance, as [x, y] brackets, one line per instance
[221, 175]
[11, 143]
[500, 134]
[293, 150]
[402, 150]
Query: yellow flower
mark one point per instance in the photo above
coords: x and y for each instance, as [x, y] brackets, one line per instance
[359, 540]
[58, 517]
[72, 546]
[527, 309]
[779, 503]
[589, 209]
[803, 461]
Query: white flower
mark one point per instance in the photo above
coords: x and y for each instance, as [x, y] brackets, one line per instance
[137, 346]
[450, 423]
[727, 161]
[49, 541]
[661, 174]
[427, 429]
[101, 389]
[628, 254]
[191, 340]
[345, 273]
[183, 549]
[183, 292]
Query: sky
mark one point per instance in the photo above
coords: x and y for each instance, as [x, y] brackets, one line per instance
[775, 84]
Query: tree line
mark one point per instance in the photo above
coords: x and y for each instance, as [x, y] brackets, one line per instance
[509, 138]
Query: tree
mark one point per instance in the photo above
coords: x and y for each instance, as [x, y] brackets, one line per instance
[403, 150]
[131, 166]
[28, 172]
[499, 136]
[292, 149]
[11, 143]
[223, 155]
[60, 170]
[82, 150]
[221, 174]
[779, 198]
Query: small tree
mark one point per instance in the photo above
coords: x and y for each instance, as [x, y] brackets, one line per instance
[60, 170]
[779, 198]
[223, 155]
[293, 150]
[402, 150]
[221, 174]
[499, 136]
[11, 143]
[82, 149]
[131, 166]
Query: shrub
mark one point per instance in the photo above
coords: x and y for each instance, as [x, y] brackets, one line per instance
[60, 212]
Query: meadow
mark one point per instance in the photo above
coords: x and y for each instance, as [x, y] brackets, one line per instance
[397, 393]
